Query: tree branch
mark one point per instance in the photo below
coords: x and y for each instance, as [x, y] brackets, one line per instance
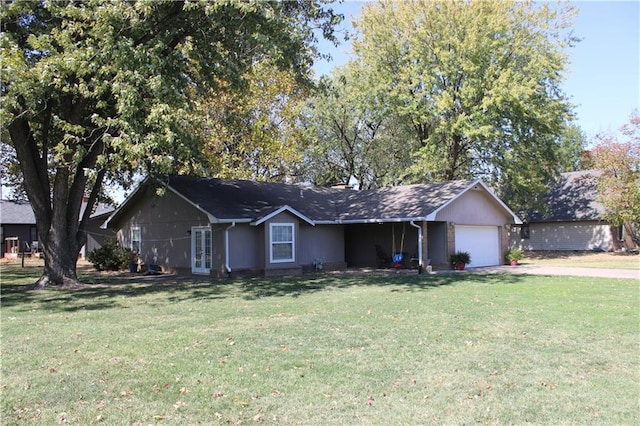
[163, 24]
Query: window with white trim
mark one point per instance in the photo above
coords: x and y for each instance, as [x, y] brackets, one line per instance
[136, 239]
[281, 242]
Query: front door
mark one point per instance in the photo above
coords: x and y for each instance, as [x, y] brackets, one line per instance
[201, 250]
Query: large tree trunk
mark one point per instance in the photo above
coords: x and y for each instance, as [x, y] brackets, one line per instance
[60, 260]
[56, 207]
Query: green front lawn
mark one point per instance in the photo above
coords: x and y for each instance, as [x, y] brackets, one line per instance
[325, 349]
[607, 260]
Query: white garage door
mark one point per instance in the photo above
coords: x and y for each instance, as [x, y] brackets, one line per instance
[481, 242]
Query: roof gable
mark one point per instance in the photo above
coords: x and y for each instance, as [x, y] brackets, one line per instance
[280, 210]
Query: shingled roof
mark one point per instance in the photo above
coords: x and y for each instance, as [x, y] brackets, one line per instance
[21, 213]
[228, 200]
[406, 202]
[249, 200]
[16, 213]
[573, 198]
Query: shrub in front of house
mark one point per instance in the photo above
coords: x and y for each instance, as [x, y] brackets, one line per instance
[459, 259]
[514, 255]
[111, 257]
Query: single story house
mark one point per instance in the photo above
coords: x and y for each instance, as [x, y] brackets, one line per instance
[19, 232]
[215, 226]
[573, 219]
[18, 229]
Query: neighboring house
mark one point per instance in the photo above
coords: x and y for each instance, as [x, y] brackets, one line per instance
[573, 220]
[95, 234]
[214, 226]
[18, 230]
[17, 227]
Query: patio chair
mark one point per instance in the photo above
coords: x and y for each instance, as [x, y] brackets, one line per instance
[384, 260]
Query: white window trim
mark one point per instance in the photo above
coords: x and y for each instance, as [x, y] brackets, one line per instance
[136, 228]
[293, 243]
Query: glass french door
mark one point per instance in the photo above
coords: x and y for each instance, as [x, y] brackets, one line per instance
[201, 250]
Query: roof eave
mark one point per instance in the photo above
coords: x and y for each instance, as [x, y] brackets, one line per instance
[382, 220]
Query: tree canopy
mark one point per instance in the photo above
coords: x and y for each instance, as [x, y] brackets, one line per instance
[254, 134]
[619, 184]
[480, 84]
[98, 90]
[352, 137]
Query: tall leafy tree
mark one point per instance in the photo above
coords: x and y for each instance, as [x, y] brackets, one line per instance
[254, 134]
[352, 136]
[619, 184]
[480, 83]
[96, 90]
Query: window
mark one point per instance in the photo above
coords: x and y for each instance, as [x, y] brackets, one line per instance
[620, 232]
[281, 242]
[524, 231]
[136, 239]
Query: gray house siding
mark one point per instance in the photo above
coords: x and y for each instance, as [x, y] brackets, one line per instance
[249, 247]
[165, 224]
[245, 242]
[437, 244]
[576, 236]
[474, 207]
[322, 243]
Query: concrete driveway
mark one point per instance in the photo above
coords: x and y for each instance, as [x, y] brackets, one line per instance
[559, 270]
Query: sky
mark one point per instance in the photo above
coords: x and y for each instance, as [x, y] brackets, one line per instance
[603, 78]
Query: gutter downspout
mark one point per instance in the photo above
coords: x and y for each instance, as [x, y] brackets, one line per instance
[420, 266]
[226, 247]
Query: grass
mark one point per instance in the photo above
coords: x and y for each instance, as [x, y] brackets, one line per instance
[582, 259]
[322, 349]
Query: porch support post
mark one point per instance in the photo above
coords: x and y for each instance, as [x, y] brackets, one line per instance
[227, 255]
[422, 249]
[425, 245]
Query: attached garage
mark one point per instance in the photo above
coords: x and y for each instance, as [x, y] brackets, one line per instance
[481, 242]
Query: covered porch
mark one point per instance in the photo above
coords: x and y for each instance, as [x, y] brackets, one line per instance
[421, 243]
